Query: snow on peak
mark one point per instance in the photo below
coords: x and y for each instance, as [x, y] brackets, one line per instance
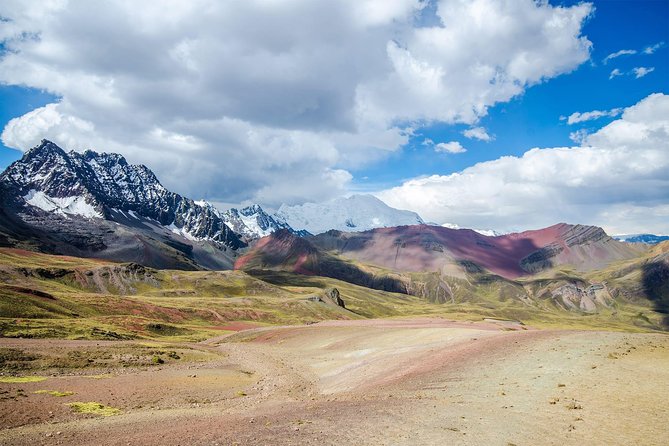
[252, 222]
[91, 184]
[486, 232]
[75, 205]
[355, 213]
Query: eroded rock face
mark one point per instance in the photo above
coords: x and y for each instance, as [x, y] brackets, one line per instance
[583, 298]
[332, 295]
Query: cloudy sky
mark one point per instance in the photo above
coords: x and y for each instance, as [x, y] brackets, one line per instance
[491, 114]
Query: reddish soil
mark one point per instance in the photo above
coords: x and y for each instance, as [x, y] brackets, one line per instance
[399, 382]
[431, 248]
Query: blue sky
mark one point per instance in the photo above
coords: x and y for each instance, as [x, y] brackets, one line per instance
[295, 102]
[533, 119]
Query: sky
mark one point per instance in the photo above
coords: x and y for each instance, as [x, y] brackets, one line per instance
[505, 115]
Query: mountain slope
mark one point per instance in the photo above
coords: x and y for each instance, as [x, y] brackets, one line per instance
[252, 223]
[285, 251]
[98, 205]
[434, 248]
[102, 185]
[556, 268]
[355, 213]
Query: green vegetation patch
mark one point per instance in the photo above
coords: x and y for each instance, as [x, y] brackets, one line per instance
[54, 393]
[21, 379]
[102, 376]
[94, 408]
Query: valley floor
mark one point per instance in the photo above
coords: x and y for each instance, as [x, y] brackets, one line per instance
[395, 382]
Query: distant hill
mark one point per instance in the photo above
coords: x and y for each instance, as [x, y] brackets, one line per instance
[650, 239]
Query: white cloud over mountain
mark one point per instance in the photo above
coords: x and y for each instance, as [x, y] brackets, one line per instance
[618, 178]
[272, 101]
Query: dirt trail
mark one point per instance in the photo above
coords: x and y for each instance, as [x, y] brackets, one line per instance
[413, 382]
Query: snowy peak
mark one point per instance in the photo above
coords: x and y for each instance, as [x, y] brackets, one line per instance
[252, 222]
[486, 232]
[353, 214]
[46, 168]
[100, 185]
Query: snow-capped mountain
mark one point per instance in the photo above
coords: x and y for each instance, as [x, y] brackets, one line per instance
[353, 214]
[105, 186]
[252, 223]
[486, 232]
[650, 239]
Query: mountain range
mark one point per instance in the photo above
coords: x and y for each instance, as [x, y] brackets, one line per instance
[650, 239]
[572, 268]
[97, 205]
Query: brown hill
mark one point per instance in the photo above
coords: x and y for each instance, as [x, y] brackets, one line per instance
[423, 248]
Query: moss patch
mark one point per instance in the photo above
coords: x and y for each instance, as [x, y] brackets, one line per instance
[54, 392]
[21, 379]
[94, 408]
[103, 376]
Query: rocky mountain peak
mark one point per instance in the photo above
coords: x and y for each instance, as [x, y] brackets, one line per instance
[100, 185]
[253, 222]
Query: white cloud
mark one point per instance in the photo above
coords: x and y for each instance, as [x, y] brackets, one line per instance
[449, 147]
[577, 117]
[251, 95]
[579, 136]
[652, 48]
[478, 133]
[484, 52]
[614, 73]
[618, 54]
[617, 179]
[642, 71]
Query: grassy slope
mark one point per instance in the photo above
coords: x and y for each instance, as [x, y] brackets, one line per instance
[168, 305]
[64, 297]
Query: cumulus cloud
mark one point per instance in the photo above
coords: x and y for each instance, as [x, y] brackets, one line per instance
[478, 133]
[618, 179]
[449, 147]
[618, 54]
[577, 117]
[640, 72]
[251, 95]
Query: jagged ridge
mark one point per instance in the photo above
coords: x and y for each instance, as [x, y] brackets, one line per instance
[97, 185]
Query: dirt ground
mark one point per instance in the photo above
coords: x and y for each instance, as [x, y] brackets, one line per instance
[382, 382]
